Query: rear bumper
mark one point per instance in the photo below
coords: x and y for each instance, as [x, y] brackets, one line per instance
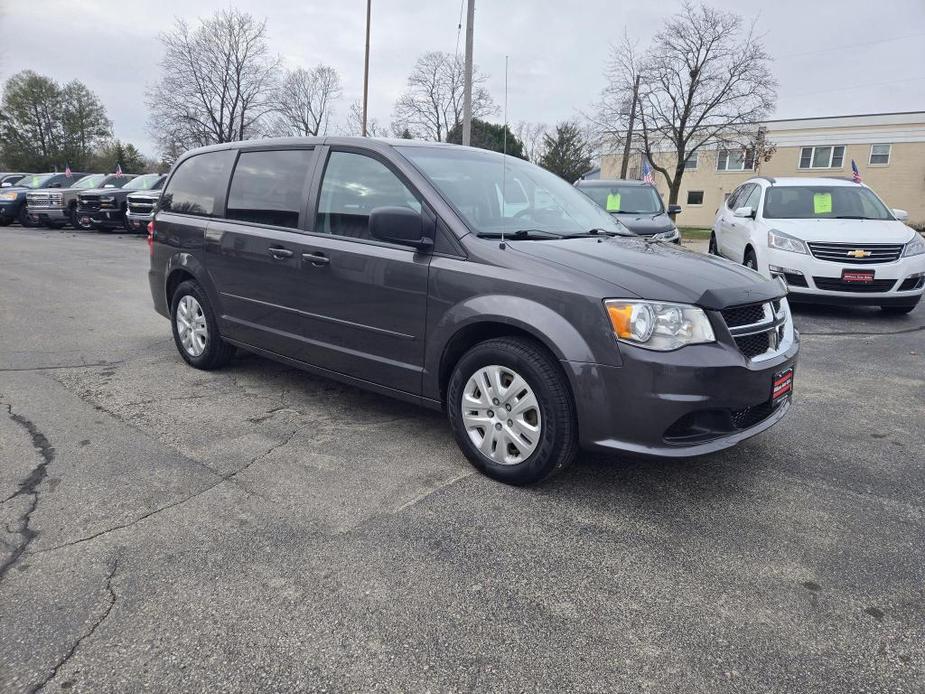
[696, 400]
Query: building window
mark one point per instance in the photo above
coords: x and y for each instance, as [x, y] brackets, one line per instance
[690, 164]
[695, 197]
[822, 157]
[735, 160]
[879, 155]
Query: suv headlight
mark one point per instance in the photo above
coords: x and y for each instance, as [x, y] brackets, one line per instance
[668, 236]
[916, 246]
[659, 326]
[8, 196]
[785, 242]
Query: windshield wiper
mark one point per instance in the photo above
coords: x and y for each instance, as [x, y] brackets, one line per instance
[520, 234]
[601, 232]
[852, 216]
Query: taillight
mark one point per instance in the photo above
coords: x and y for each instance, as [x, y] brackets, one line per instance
[151, 237]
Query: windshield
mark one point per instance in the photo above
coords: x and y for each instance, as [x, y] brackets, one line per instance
[145, 182]
[625, 199]
[526, 198]
[91, 181]
[823, 202]
[114, 181]
[35, 180]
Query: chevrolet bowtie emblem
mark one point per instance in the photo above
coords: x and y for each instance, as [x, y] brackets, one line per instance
[859, 253]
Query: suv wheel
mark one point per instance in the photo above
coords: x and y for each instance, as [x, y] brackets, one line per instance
[195, 330]
[713, 250]
[511, 411]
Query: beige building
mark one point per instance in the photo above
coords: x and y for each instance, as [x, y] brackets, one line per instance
[889, 149]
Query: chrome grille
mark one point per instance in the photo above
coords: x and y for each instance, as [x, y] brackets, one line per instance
[41, 200]
[760, 331]
[854, 253]
[141, 205]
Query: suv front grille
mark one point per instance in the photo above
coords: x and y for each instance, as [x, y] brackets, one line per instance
[835, 284]
[759, 329]
[140, 205]
[861, 254]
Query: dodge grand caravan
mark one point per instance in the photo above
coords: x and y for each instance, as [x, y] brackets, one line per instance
[539, 325]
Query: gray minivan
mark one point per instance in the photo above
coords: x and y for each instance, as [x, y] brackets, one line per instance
[460, 279]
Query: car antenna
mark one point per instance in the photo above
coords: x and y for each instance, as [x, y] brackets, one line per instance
[502, 245]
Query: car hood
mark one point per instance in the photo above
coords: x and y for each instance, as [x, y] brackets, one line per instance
[657, 271]
[106, 191]
[844, 230]
[645, 224]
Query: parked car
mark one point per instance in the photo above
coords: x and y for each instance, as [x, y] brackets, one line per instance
[832, 240]
[140, 205]
[13, 199]
[392, 265]
[55, 207]
[105, 208]
[8, 179]
[636, 204]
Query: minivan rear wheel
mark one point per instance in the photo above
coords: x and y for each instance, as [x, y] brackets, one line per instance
[195, 330]
[512, 412]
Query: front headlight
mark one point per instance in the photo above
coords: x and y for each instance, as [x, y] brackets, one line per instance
[659, 326]
[785, 242]
[669, 236]
[916, 246]
[8, 196]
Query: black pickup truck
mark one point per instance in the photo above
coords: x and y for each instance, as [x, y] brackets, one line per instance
[104, 208]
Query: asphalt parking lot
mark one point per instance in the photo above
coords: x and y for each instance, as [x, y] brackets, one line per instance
[258, 528]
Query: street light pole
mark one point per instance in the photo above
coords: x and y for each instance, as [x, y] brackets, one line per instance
[366, 68]
[467, 81]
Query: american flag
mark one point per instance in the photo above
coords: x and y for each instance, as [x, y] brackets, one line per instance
[67, 170]
[118, 169]
[855, 174]
[647, 174]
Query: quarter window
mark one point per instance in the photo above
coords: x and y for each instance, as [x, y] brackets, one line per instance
[735, 160]
[354, 185]
[822, 157]
[695, 197]
[196, 186]
[880, 155]
[268, 187]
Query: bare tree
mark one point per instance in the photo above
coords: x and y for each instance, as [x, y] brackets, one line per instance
[305, 101]
[217, 84]
[354, 123]
[705, 81]
[531, 135]
[433, 103]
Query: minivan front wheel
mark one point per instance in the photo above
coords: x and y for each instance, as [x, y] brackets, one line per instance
[195, 331]
[512, 412]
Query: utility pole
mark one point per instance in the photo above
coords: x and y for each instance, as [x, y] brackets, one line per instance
[629, 131]
[467, 82]
[366, 68]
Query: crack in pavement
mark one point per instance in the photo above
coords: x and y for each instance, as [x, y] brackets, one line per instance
[62, 366]
[903, 331]
[28, 487]
[228, 477]
[96, 625]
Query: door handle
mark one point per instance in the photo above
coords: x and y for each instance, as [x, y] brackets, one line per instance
[279, 253]
[316, 259]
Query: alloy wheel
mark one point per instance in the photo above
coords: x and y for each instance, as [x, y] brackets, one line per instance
[191, 325]
[501, 414]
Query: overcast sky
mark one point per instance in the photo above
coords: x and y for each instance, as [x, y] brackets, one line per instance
[832, 57]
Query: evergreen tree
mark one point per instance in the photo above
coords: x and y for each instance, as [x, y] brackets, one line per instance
[566, 152]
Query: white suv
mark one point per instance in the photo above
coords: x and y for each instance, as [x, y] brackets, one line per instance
[832, 241]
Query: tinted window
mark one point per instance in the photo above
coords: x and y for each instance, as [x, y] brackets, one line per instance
[267, 187]
[115, 181]
[146, 182]
[197, 185]
[353, 186]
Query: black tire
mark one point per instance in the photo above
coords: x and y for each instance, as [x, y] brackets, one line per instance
[713, 250]
[898, 310]
[75, 218]
[24, 218]
[558, 444]
[5, 221]
[217, 352]
[751, 260]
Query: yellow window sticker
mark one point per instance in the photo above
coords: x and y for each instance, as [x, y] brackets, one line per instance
[613, 202]
[822, 203]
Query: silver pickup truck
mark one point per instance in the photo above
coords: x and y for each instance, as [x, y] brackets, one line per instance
[55, 207]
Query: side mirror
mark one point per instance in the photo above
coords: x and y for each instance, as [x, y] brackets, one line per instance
[674, 209]
[744, 212]
[901, 215]
[399, 225]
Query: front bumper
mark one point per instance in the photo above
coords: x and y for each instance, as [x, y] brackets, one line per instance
[103, 217]
[138, 222]
[810, 280]
[49, 214]
[695, 400]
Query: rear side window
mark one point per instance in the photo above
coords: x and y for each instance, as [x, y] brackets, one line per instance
[196, 187]
[269, 187]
